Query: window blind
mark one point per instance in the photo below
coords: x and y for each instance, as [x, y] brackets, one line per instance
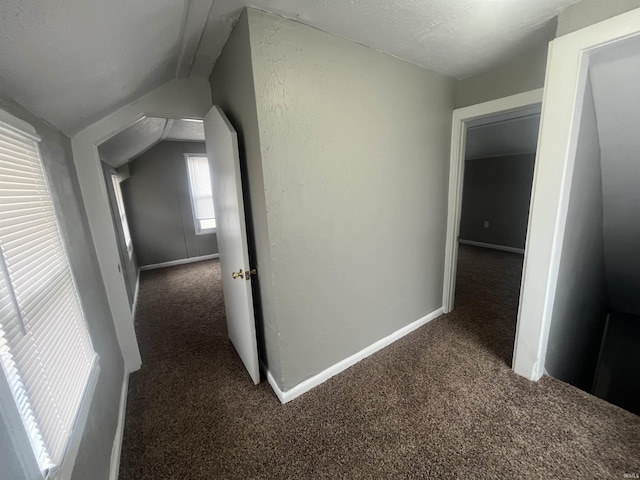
[45, 349]
[201, 192]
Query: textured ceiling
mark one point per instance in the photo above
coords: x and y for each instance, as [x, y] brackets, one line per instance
[458, 38]
[73, 61]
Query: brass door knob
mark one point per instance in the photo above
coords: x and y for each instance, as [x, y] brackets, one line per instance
[238, 274]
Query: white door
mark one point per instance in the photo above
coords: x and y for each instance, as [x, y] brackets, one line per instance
[222, 150]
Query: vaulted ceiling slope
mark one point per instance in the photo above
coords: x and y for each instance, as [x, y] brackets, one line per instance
[71, 62]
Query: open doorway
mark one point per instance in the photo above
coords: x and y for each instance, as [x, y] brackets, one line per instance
[497, 181]
[176, 199]
[161, 208]
[492, 165]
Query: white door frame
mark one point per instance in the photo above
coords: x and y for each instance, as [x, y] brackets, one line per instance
[181, 98]
[513, 106]
[567, 70]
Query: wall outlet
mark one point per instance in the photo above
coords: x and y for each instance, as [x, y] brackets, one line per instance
[486, 224]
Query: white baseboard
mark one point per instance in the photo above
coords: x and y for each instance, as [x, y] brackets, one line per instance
[276, 389]
[179, 262]
[134, 306]
[117, 439]
[295, 392]
[490, 245]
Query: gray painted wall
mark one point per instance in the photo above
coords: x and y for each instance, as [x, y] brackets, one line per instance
[158, 205]
[497, 190]
[94, 456]
[232, 88]
[579, 310]
[355, 152]
[523, 73]
[588, 12]
[527, 70]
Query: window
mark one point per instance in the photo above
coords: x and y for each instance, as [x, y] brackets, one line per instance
[45, 349]
[121, 213]
[201, 193]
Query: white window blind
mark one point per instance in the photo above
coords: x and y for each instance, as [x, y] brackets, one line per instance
[201, 193]
[45, 349]
[121, 212]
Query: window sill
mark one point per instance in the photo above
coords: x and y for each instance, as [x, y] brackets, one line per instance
[63, 471]
[206, 232]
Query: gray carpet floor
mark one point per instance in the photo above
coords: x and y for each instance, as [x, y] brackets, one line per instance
[440, 403]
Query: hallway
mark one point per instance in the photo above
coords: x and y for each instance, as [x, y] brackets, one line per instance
[440, 403]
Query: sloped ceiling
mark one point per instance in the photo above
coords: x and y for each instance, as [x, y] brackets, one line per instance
[132, 141]
[458, 38]
[186, 131]
[144, 134]
[71, 62]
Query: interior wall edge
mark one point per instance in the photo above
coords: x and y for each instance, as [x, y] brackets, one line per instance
[286, 396]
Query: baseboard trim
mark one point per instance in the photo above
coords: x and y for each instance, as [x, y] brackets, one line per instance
[303, 387]
[179, 262]
[276, 389]
[491, 245]
[117, 439]
[134, 306]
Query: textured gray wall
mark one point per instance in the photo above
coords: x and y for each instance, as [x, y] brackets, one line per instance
[588, 12]
[158, 204]
[579, 310]
[523, 73]
[497, 190]
[232, 88]
[94, 456]
[355, 153]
